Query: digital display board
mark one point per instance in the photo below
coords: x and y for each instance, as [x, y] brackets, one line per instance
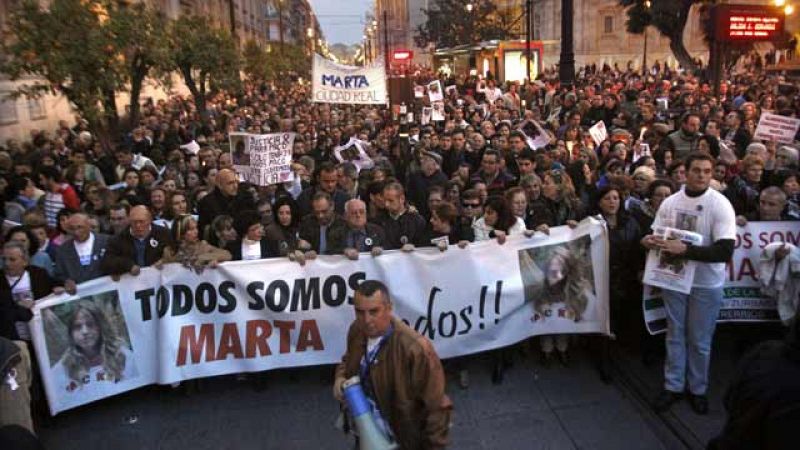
[737, 23]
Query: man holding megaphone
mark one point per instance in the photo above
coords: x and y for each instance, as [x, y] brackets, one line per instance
[399, 372]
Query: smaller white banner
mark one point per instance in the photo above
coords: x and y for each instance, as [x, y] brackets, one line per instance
[598, 132]
[773, 127]
[263, 159]
[337, 83]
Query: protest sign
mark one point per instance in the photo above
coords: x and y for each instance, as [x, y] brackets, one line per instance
[772, 127]
[535, 136]
[450, 90]
[742, 299]
[435, 91]
[419, 91]
[437, 114]
[263, 159]
[337, 83]
[354, 151]
[426, 115]
[172, 325]
[668, 271]
[598, 132]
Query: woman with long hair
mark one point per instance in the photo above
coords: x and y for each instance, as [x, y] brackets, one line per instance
[281, 234]
[498, 221]
[93, 348]
[188, 249]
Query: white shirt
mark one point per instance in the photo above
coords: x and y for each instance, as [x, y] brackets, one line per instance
[84, 250]
[21, 291]
[251, 251]
[712, 216]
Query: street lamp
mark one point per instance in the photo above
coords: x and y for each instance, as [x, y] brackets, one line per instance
[644, 54]
[469, 7]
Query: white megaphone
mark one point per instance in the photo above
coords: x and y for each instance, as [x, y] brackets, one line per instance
[370, 437]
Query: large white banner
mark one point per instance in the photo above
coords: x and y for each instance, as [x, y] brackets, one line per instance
[742, 298]
[172, 325]
[337, 83]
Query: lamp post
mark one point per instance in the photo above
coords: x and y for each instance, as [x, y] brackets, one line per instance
[566, 69]
[644, 54]
[528, 36]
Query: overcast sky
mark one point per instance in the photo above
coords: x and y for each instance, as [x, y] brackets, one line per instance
[342, 21]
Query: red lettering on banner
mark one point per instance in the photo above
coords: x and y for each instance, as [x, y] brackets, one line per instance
[258, 331]
[229, 342]
[309, 336]
[200, 346]
[189, 342]
[285, 327]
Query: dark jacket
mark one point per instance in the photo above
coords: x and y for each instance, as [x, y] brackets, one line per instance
[235, 247]
[460, 231]
[410, 226]
[763, 400]
[408, 383]
[375, 237]
[281, 240]
[10, 312]
[309, 232]
[120, 255]
[304, 200]
[418, 186]
[68, 264]
[217, 204]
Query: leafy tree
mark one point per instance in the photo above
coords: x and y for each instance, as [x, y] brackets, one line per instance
[668, 17]
[205, 56]
[140, 34]
[448, 23]
[254, 61]
[66, 49]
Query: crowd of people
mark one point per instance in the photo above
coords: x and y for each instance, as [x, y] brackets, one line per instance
[77, 209]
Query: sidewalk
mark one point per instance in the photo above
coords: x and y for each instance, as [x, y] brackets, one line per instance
[693, 430]
[535, 408]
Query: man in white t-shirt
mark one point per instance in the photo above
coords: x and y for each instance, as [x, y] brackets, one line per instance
[692, 318]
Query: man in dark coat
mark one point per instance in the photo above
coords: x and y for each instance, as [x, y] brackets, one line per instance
[403, 228]
[78, 259]
[316, 230]
[226, 199]
[140, 245]
[327, 181]
[419, 183]
[763, 401]
[358, 236]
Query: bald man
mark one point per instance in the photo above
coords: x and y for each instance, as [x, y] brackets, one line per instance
[359, 235]
[79, 258]
[225, 199]
[139, 245]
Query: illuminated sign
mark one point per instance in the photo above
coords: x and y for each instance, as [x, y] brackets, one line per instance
[736, 23]
[402, 55]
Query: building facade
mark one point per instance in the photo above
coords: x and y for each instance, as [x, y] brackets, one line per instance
[252, 19]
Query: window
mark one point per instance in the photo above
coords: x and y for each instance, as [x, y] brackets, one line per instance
[36, 108]
[608, 24]
[8, 109]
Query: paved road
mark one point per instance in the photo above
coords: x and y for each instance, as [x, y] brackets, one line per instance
[535, 408]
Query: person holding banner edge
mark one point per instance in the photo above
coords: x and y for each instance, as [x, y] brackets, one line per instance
[691, 318]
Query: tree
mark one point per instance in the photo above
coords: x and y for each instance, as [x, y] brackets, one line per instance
[205, 56]
[668, 17]
[254, 61]
[67, 49]
[448, 23]
[140, 34]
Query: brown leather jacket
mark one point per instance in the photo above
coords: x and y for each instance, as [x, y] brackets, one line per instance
[409, 385]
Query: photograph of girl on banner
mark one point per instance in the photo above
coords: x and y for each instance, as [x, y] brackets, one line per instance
[559, 274]
[89, 340]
